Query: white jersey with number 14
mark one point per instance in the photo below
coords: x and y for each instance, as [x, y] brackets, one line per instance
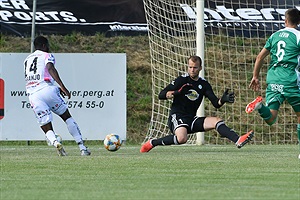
[36, 73]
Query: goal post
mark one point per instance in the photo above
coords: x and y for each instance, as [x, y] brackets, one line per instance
[200, 35]
[234, 33]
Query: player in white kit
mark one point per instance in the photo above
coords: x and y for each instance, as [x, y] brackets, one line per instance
[45, 95]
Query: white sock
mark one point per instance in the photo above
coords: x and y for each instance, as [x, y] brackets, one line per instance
[51, 136]
[75, 132]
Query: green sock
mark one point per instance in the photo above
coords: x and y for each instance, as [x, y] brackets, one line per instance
[298, 132]
[265, 112]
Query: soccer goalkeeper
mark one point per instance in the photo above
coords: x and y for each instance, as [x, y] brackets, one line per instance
[187, 92]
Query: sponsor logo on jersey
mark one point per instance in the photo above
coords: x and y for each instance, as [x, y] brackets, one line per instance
[51, 58]
[192, 95]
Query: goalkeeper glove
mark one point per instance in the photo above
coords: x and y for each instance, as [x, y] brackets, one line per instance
[227, 97]
[183, 90]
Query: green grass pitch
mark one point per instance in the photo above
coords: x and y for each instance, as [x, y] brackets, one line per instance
[173, 172]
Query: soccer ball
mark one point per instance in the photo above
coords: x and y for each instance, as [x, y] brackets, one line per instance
[112, 142]
[58, 138]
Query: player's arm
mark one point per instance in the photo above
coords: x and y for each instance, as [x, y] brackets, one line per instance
[54, 73]
[254, 84]
[170, 91]
[166, 93]
[227, 97]
[213, 98]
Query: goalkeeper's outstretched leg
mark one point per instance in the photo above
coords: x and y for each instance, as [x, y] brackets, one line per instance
[199, 124]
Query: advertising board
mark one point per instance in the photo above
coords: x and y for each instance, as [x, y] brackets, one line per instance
[97, 83]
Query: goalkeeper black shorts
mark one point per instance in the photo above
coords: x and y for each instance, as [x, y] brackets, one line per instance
[192, 124]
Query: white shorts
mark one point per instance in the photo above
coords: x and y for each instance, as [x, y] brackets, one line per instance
[46, 100]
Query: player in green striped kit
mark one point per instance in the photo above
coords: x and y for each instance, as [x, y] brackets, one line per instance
[283, 76]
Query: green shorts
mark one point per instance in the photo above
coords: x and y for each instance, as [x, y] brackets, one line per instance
[277, 94]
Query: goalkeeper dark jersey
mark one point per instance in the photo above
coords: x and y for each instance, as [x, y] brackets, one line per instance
[187, 104]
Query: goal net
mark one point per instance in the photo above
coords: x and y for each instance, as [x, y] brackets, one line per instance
[235, 32]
